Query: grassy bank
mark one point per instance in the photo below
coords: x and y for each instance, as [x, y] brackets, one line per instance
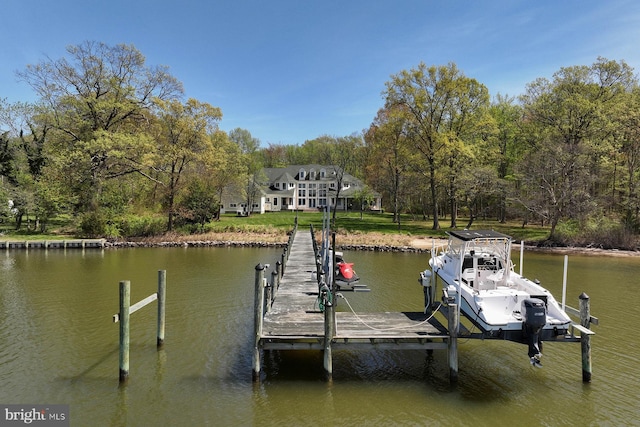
[351, 224]
[372, 228]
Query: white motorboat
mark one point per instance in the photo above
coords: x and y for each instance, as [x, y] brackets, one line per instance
[478, 276]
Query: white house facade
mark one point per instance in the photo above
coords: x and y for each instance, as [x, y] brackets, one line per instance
[303, 188]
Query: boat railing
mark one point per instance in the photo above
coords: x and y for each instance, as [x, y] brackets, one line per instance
[437, 249]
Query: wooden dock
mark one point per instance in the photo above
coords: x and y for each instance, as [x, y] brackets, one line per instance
[296, 311]
[292, 319]
[53, 244]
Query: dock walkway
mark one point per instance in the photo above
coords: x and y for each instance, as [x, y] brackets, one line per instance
[294, 320]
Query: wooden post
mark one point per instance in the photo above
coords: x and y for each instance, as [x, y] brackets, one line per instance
[271, 289]
[284, 259]
[453, 342]
[279, 271]
[162, 287]
[258, 305]
[328, 335]
[125, 302]
[585, 339]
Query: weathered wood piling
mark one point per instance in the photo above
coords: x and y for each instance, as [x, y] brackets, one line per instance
[125, 299]
[585, 338]
[126, 310]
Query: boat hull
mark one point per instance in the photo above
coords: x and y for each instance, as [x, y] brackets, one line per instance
[495, 313]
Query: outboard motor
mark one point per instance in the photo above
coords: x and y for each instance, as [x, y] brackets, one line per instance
[534, 314]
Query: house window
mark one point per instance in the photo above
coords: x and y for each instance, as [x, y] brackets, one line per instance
[233, 205]
[302, 174]
[291, 185]
[312, 174]
[302, 193]
[302, 185]
[275, 201]
[277, 185]
[302, 202]
[323, 173]
[322, 202]
[312, 203]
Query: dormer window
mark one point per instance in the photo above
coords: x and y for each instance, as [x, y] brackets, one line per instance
[312, 174]
[302, 174]
[323, 173]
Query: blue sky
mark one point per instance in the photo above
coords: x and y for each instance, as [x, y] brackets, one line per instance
[292, 70]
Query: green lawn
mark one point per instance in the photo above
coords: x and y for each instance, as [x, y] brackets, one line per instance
[373, 222]
[345, 221]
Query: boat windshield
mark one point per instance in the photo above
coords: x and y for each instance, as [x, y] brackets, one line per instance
[481, 244]
[498, 247]
[455, 246]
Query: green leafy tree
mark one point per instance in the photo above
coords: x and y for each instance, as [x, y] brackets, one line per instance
[200, 204]
[628, 156]
[98, 98]
[440, 101]
[571, 117]
[223, 167]
[249, 147]
[184, 137]
[508, 117]
[364, 197]
[391, 157]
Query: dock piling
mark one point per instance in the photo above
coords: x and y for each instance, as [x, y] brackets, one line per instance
[126, 310]
[585, 339]
[453, 321]
[125, 302]
[258, 313]
[162, 287]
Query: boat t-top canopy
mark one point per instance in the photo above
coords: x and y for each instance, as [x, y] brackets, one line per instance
[468, 235]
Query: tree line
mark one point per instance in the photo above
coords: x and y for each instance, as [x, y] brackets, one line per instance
[112, 141]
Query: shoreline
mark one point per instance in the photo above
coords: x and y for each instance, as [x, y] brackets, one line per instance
[375, 242]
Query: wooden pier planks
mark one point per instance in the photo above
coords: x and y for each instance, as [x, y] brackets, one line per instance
[295, 316]
[295, 312]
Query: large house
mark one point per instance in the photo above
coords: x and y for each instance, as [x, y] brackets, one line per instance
[304, 188]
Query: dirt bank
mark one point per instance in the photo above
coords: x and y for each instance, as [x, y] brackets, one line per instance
[427, 244]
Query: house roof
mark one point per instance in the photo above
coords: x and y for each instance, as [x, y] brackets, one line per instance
[291, 174]
[293, 171]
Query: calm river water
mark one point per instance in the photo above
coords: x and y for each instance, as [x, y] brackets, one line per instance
[59, 346]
